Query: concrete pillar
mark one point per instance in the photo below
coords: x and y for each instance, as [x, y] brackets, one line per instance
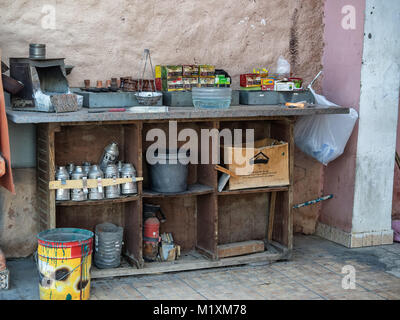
[379, 99]
[361, 64]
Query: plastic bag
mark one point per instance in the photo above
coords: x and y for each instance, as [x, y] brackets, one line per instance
[324, 137]
[282, 66]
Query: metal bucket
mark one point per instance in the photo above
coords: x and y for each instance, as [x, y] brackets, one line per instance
[108, 244]
[169, 175]
[64, 261]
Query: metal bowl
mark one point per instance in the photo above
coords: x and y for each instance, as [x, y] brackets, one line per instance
[148, 98]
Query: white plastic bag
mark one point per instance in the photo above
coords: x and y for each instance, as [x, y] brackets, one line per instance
[282, 66]
[324, 137]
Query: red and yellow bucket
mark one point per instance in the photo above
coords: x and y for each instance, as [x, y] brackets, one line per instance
[64, 261]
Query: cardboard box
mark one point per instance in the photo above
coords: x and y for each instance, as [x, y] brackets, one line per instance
[175, 84]
[250, 80]
[206, 82]
[267, 84]
[284, 86]
[265, 165]
[168, 72]
[190, 82]
[206, 70]
[190, 70]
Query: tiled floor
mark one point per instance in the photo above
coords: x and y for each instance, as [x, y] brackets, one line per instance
[315, 272]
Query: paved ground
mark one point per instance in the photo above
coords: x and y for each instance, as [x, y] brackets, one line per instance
[315, 272]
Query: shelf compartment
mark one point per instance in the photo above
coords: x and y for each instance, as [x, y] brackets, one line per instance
[254, 190]
[96, 202]
[193, 190]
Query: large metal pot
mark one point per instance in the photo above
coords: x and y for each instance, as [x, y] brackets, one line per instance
[168, 174]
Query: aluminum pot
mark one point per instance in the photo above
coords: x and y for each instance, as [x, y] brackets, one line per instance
[77, 194]
[62, 175]
[111, 172]
[128, 171]
[96, 173]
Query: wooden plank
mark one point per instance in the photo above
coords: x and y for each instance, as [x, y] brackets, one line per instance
[186, 265]
[240, 248]
[90, 183]
[97, 202]
[254, 190]
[271, 216]
[207, 224]
[181, 219]
[283, 222]
[193, 189]
[77, 144]
[242, 218]
[45, 171]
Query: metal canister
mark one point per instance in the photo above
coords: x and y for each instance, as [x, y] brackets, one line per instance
[62, 175]
[128, 171]
[109, 155]
[111, 172]
[37, 51]
[96, 173]
[86, 167]
[70, 168]
[119, 166]
[77, 194]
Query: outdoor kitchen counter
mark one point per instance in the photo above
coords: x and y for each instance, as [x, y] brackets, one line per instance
[242, 111]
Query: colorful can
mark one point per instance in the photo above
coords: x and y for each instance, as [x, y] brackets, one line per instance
[64, 262]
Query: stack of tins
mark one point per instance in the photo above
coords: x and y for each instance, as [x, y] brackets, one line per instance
[64, 261]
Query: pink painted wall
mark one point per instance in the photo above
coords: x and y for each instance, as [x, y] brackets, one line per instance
[396, 180]
[341, 84]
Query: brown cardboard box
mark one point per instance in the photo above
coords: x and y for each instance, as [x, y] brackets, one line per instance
[265, 165]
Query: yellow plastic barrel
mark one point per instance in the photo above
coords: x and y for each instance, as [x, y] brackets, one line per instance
[64, 261]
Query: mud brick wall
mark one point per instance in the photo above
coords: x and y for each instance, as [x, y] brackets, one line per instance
[105, 39]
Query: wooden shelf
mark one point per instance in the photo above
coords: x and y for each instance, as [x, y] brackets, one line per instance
[193, 190]
[254, 190]
[189, 261]
[97, 202]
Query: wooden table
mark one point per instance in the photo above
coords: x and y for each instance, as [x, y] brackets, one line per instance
[211, 227]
